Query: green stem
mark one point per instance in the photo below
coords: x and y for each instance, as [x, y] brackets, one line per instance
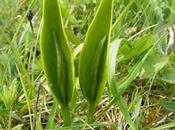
[123, 108]
[10, 119]
[90, 113]
[121, 103]
[65, 111]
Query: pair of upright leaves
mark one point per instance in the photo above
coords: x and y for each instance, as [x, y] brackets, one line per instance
[58, 59]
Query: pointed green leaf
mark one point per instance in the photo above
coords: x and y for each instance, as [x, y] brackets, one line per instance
[94, 55]
[57, 57]
[56, 53]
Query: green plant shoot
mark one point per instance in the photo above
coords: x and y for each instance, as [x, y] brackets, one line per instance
[93, 69]
[57, 57]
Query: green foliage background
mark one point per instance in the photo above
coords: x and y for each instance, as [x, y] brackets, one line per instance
[145, 73]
